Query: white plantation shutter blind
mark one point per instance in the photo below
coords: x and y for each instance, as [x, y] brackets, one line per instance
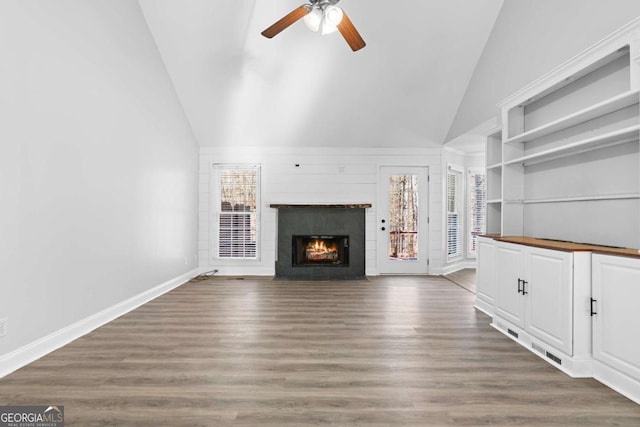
[237, 211]
[454, 214]
[477, 209]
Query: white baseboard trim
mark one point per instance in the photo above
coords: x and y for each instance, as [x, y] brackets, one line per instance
[33, 351]
[616, 380]
[448, 269]
[226, 270]
[484, 306]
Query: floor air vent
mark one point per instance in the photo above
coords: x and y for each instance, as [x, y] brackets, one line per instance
[512, 333]
[554, 358]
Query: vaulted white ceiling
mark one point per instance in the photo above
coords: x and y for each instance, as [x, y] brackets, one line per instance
[303, 89]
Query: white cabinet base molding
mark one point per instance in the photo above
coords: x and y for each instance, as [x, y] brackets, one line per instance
[575, 367]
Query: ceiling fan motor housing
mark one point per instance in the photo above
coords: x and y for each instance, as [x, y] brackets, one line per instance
[323, 3]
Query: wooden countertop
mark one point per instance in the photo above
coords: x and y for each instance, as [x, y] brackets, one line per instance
[560, 245]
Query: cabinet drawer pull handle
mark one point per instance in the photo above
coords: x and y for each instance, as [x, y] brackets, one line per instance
[519, 283]
[524, 284]
[593, 312]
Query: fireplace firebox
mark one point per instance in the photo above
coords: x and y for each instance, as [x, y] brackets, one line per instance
[308, 251]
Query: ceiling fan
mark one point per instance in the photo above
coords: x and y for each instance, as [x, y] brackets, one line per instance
[323, 16]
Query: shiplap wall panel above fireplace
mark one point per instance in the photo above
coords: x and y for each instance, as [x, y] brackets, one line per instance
[324, 175]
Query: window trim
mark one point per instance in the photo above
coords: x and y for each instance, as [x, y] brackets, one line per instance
[214, 248]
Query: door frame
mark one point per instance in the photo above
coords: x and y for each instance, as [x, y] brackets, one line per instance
[382, 265]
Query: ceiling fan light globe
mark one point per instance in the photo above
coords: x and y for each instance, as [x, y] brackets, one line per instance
[328, 29]
[333, 15]
[313, 20]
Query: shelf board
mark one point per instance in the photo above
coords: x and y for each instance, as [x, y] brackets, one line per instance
[518, 201]
[585, 198]
[605, 107]
[600, 141]
[494, 201]
[494, 166]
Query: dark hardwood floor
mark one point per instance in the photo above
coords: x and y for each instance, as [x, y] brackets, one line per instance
[391, 351]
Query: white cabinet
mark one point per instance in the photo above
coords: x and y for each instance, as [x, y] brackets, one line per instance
[509, 276]
[541, 301]
[616, 322]
[548, 292]
[535, 292]
[486, 275]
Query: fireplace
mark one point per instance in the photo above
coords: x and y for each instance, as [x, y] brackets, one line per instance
[320, 250]
[321, 242]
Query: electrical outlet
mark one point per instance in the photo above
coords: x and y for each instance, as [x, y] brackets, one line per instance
[3, 327]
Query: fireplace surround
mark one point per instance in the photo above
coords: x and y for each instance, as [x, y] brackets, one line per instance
[321, 242]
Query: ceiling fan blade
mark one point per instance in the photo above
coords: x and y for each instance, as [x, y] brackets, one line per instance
[350, 34]
[291, 18]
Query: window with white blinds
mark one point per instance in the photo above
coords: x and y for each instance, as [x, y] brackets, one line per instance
[477, 210]
[237, 211]
[455, 220]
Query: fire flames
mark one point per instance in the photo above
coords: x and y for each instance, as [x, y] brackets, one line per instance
[319, 250]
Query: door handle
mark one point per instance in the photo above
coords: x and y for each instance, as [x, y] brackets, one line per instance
[592, 311]
[519, 283]
[524, 287]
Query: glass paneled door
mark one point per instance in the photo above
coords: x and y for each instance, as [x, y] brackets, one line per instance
[403, 220]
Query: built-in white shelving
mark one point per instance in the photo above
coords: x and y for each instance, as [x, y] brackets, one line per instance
[566, 165]
[620, 136]
[610, 105]
[494, 181]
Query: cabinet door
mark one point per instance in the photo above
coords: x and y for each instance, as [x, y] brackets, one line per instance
[485, 275]
[549, 302]
[616, 290]
[509, 302]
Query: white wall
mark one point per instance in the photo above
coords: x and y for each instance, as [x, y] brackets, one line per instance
[98, 167]
[325, 175]
[529, 39]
